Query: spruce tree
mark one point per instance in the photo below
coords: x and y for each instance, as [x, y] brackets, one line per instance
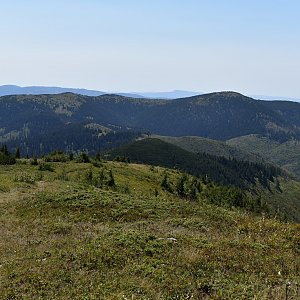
[4, 150]
[101, 179]
[180, 186]
[165, 183]
[18, 155]
[111, 179]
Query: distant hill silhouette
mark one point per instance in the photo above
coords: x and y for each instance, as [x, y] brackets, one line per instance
[169, 95]
[37, 90]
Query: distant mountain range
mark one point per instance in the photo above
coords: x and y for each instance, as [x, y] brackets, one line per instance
[37, 90]
[6, 90]
[170, 95]
[219, 116]
[274, 98]
[39, 124]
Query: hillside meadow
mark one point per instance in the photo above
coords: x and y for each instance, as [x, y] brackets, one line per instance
[126, 237]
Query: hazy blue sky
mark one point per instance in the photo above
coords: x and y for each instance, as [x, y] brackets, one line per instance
[251, 46]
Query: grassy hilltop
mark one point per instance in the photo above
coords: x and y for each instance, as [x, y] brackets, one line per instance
[79, 231]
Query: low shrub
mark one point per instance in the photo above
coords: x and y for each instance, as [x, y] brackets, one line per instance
[83, 158]
[27, 178]
[56, 156]
[46, 167]
[34, 162]
[6, 159]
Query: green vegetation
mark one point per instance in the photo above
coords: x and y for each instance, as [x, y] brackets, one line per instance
[285, 155]
[18, 154]
[83, 158]
[242, 174]
[39, 124]
[71, 234]
[198, 219]
[56, 156]
[284, 202]
[45, 167]
[196, 144]
[5, 157]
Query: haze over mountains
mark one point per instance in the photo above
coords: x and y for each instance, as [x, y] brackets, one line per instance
[274, 98]
[36, 90]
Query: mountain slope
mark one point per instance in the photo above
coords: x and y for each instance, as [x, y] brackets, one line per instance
[39, 124]
[70, 240]
[286, 155]
[225, 171]
[218, 116]
[197, 144]
[287, 109]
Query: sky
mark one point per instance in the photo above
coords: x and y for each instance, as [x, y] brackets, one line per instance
[248, 46]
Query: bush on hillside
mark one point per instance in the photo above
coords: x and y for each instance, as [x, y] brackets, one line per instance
[45, 167]
[83, 158]
[56, 156]
[6, 159]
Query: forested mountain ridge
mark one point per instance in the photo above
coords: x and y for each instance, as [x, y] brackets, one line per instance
[198, 145]
[287, 109]
[218, 116]
[222, 116]
[225, 171]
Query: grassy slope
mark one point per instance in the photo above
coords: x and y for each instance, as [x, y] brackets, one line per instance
[66, 240]
[287, 201]
[286, 155]
[197, 144]
[157, 152]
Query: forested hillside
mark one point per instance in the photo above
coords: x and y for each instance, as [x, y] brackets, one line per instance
[25, 118]
[197, 145]
[286, 155]
[242, 174]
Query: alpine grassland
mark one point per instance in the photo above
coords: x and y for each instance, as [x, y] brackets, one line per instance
[118, 230]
